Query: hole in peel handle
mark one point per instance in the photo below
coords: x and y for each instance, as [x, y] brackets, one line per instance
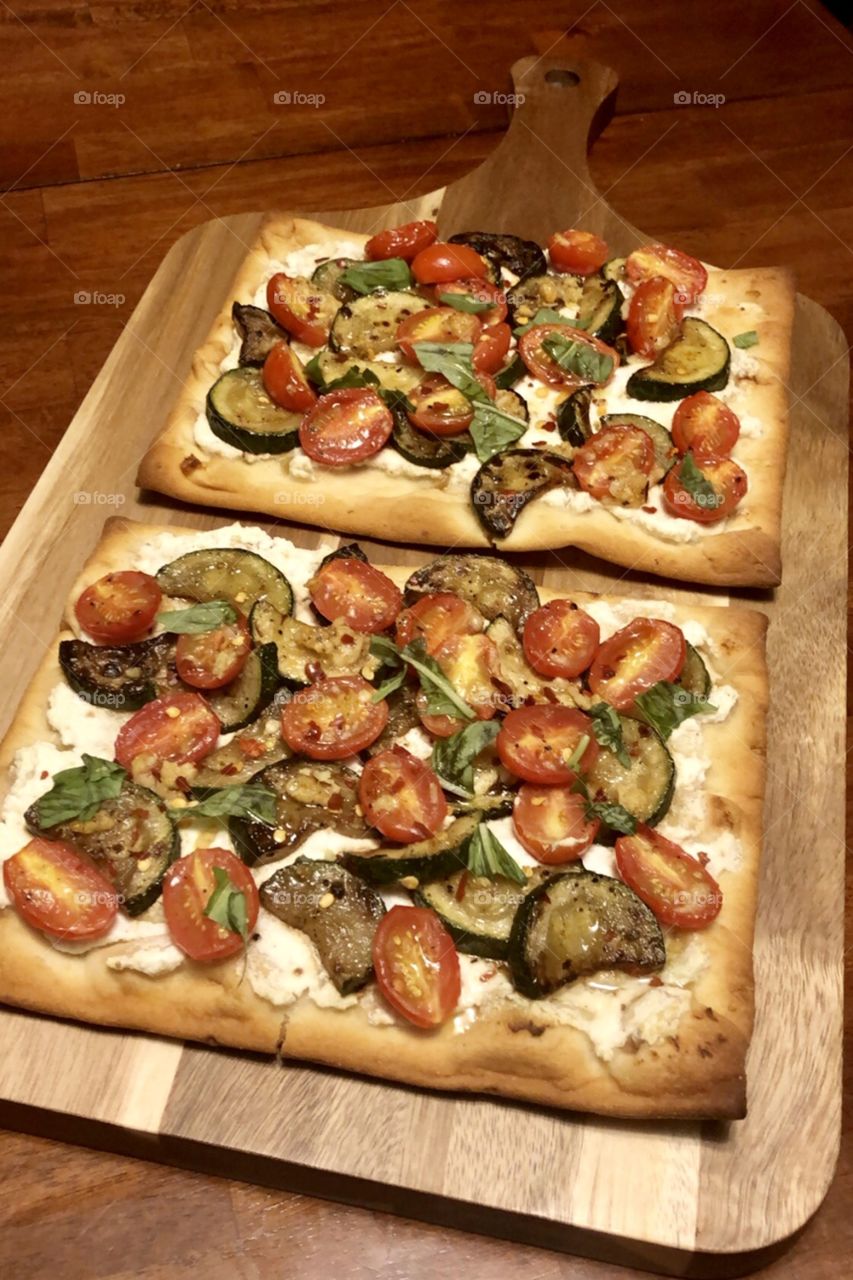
[562, 78]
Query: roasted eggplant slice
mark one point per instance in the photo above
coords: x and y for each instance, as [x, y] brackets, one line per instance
[328, 278]
[646, 788]
[226, 573]
[425, 449]
[249, 751]
[544, 291]
[698, 360]
[259, 332]
[614, 269]
[368, 326]
[509, 401]
[520, 684]
[476, 912]
[494, 587]
[337, 911]
[402, 716]
[243, 700]
[505, 484]
[441, 855]
[131, 837]
[310, 796]
[665, 454]
[241, 413]
[392, 376]
[522, 257]
[121, 677]
[578, 923]
[306, 652]
[573, 417]
[600, 310]
[695, 677]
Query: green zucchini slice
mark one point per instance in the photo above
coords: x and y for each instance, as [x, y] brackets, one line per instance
[577, 923]
[573, 417]
[492, 585]
[477, 912]
[305, 652]
[241, 413]
[505, 484]
[257, 745]
[698, 360]
[226, 573]
[425, 449]
[242, 701]
[337, 911]
[646, 789]
[402, 716]
[614, 269]
[392, 376]
[521, 257]
[600, 310]
[441, 855]
[493, 804]
[122, 677]
[368, 326]
[695, 676]
[524, 685]
[131, 837]
[259, 332]
[665, 454]
[328, 278]
[310, 796]
[546, 290]
[509, 401]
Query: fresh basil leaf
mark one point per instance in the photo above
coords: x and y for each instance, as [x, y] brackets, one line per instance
[198, 618]
[607, 728]
[355, 376]
[577, 357]
[665, 706]
[614, 816]
[246, 800]
[441, 698]
[465, 302]
[546, 315]
[313, 372]
[391, 685]
[487, 857]
[453, 361]
[747, 339]
[80, 792]
[366, 277]
[453, 758]
[226, 906]
[492, 430]
[694, 481]
[578, 753]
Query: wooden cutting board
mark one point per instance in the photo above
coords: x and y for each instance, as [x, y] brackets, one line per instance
[651, 1194]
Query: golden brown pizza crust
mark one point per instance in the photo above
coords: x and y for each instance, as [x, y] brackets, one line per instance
[700, 1072]
[418, 510]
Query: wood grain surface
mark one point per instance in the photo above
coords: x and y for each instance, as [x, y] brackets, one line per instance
[139, 1219]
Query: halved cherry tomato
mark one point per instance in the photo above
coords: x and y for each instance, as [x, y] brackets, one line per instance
[436, 324]
[616, 464]
[348, 588]
[560, 639]
[481, 291]
[654, 316]
[436, 617]
[677, 887]
[406, 241]
[686, 273]
[440, 408]
[285, 381]
[491, 347]
[581, 252]
[333, 718]
[188, 886]
[551, 823]
[728, 481]
[543, 365]
[346, 426]
[471, 663]
[119, 607]
[538, 743]
[301, 308]
[214, 658]
[636, 657]
[438, 726]
[442, 262]
[401, 796]
[57, 890]
[180, 728]
[705, 427]
[417, 968]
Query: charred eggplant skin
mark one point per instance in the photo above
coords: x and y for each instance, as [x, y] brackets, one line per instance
[493, 586]
[310, 796]
[521, 257]
[98, 673]
[259, 332]
[505, 484]
[573, 417]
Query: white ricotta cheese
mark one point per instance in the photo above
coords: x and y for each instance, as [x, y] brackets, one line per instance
[80, 725]
[151, 958]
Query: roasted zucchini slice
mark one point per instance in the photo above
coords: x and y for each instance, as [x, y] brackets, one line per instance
[392, 376]
[521, 257]
[368, 326]
[402, 716]
[121, 677]
[494, 587]
[131, 837]
[645, 789]
[337, 911]
[509, 401]
[665, 454]
[226, 573]
[522, 684]
[578, 923]
[257, 745]
[573, 417]
[259, 332]
[243, 700]
[511, 373]
[477, 912]
[441, 855]
[328, 278]
[493, 804]
[310, 796]
[546, 290]
[600, 310]
[241, 413]
[697, 360]
[614, 269]
[425, 449]
[505, 484]
[307, 653]
[695, 677]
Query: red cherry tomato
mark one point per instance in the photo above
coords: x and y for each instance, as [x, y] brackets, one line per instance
[437, 324]
[438, 726]
[401, 796]
[471, 664]
[348, 588]
[285, 382]
[728, 483]
[560, 639]
[615, 464]
[543, 365]
[57, 890]
[490, 348]
[346, 426]
[686, 273]
[636, 657]
[301, 308]
[479, 291]
[180, 728]
[440, 408]
[443, 262]
[551, 823]
[580, 252]
[677, 887]
[654, 316]
[541, 744]
[705, 427]
[416, 965]
[436, 617]
[120, 607]
[214, 658]
[188, 887]
[406, 241]
[333, 718]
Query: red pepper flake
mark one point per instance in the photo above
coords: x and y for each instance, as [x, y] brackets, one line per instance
[703, 857]
[651, 510]
[254, 748]
[190, 463]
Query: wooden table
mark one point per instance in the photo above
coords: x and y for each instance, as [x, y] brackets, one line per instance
[124, 127]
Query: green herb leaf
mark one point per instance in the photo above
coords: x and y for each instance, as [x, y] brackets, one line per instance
[366, 277]
[578, 753]
[665, 706]
[441, 698]
[492, 430]
[487, 857]
[747, 339]
[245, 800]
[391, 685]
[614, 816]
[465, 302]
[510, 373]
[453, 758]
[227, 905]
[453, 360]
[607, 728]
[355, 376]
[695, 482]
[198, 618]
[547, 315]
[577, 357]
[80, 792]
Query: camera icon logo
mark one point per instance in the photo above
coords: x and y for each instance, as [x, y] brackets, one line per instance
[82, 298]
[682, 98]
[481, 97]
[83, 98]
[282, 97]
